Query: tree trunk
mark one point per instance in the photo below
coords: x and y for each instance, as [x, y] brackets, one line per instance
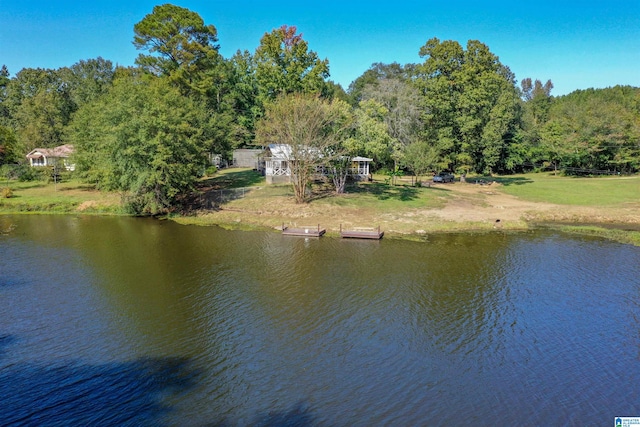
[339, 178]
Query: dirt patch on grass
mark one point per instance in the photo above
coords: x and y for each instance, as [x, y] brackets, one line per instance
[89, 204]
[475, 203]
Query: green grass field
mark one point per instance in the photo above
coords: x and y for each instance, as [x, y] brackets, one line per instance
[65, 197]
[386, 198]
[541, 187]
[563, 190]
[536, 187]
[366, 195]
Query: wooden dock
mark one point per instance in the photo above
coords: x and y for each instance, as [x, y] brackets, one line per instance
[362, 233]
[306, 231]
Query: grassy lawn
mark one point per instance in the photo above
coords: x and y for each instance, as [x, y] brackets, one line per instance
[375, 195]
[563, 190]
[233, 178]
[386, 198]
[381, 197]
[64, 197]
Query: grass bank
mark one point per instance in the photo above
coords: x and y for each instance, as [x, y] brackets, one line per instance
[65, 197]
[507, 204]
[577, 191]
[608, 207]
[631, 237]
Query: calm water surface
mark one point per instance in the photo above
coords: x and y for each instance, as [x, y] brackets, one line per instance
[121, 321]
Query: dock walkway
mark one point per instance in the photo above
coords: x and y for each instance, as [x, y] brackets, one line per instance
[307, 231]
[362, 233]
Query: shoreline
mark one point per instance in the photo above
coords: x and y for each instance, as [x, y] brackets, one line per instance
[607, 230]
[461, 208]
[622, 232]
[440, 209]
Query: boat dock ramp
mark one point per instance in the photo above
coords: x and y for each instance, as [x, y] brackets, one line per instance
[306, 231]
[361, 233]
[317, 231]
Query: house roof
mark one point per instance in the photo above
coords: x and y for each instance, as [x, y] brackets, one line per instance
[284, 151]
[60, 151]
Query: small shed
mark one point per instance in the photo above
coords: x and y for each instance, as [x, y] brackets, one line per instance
[58, 156]
[247, 158]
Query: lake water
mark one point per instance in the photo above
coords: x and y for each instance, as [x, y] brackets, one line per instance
[124, 321]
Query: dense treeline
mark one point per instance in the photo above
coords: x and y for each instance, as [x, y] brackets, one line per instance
[146, 131]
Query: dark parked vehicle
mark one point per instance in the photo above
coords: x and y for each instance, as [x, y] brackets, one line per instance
[444, 177]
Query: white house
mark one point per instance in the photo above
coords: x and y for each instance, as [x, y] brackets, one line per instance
[278, 158]
[58, 156]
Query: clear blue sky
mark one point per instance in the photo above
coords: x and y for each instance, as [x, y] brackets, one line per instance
[576, 44]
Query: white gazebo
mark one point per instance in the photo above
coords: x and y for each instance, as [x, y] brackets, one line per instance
[360, 168]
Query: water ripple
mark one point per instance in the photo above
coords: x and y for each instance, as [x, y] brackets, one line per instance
[202, 326]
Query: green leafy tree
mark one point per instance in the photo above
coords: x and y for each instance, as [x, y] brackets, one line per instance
[4, 82]
[184, 49]
[594, 131]
[371, 137]
[41, 120]
[421, 157]
[246, 106]
[471, 108]
[143, 139]
[335, 90]
[441, 89]
[181, 46]
[402, 102]
[555, 150]
[247, 94]
[88, 79]
[538, 98]
[536, 104]
[311, 126]
[337, 154]
[39, 104]
[7, 145]
[178, 40]
[376, 73]
[7, 137]
[284, 64]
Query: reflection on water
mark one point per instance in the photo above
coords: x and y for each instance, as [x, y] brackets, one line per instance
[114, 394]
[142, 322]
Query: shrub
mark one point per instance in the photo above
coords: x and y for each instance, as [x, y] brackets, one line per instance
[6, 171]
[20, 172]
[27, 173]
[211, 171]
[6, 193]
